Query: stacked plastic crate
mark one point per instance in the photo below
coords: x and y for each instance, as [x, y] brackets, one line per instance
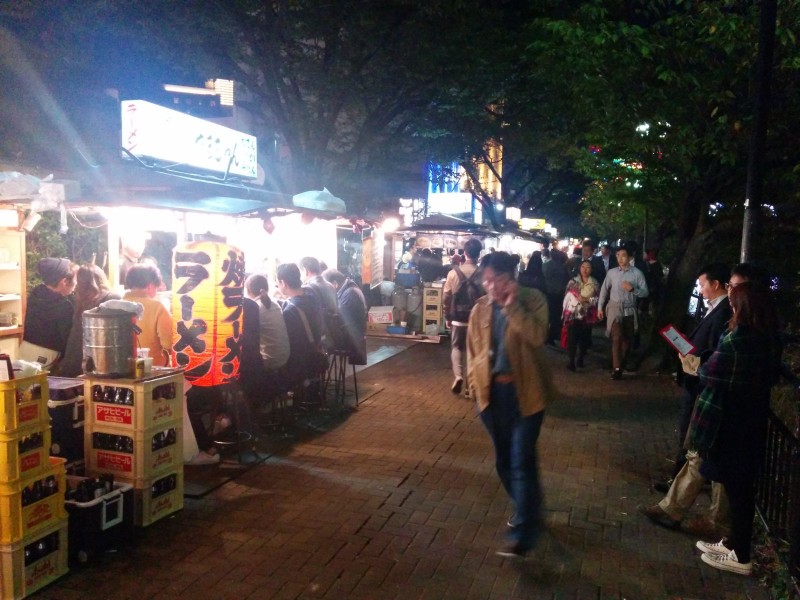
[134, 431]
[432, 302]
[33, 520]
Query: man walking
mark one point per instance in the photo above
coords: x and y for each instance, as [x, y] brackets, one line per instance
[461, 289]
[510, 380]
[609, 260]
[621, 288]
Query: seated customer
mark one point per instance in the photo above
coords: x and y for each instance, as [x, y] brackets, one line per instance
[303, 318]
[200, 402]
[351, 334]
[48, 315]
[143, 281]
[91, 290]
[265, 343]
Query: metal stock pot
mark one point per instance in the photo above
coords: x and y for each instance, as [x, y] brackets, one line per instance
[109, 342]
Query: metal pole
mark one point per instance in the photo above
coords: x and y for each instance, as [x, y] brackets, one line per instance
[752, 202]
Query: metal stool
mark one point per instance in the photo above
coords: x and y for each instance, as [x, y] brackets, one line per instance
[337, 372]
[236, 436]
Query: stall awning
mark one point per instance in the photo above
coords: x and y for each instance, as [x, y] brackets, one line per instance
[129, 185]
[446, 224]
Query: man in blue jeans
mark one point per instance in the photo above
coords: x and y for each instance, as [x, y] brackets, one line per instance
[509, 378]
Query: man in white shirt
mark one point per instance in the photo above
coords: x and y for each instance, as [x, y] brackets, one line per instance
[621, 288]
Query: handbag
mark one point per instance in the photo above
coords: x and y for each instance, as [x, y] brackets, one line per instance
[46, 357]
[564, 336]
[318, 360]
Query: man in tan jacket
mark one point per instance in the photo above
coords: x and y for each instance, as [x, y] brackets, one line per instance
[510, 380]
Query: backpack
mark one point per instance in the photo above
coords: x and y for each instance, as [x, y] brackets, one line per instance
[465, 295]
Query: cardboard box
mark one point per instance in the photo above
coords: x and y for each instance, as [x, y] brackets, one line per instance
[380, 314]
[377, 328]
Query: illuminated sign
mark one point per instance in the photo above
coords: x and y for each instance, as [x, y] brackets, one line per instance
[158, 133]
[532, 224]
[450, 203]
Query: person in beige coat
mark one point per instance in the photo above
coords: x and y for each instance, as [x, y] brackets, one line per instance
[511, 382]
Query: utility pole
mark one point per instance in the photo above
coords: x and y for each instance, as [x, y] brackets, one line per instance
[755, 174]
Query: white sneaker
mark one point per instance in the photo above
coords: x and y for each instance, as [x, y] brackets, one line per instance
[203, 458]
[728, 562]
[717, 549]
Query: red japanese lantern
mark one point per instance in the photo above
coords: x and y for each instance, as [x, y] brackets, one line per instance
[207, 290]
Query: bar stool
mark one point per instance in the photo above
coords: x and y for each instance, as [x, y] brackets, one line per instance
[337, 372]
[237, 436]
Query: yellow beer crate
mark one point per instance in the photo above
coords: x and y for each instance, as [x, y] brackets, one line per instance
[23, 404]
[33, 562]
[136, 404]
[32, 504]
[157, 497]
[134, 454]
[25, 453]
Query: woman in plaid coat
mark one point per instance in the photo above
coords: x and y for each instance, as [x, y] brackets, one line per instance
[729, 426]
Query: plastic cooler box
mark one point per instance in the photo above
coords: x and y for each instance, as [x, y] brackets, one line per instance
[66, 407]
[17, 521]
[18, 579]
[23, 404]
[100, 524]
[15, 464]
[149, 507]
[144, 462]
[144, 413]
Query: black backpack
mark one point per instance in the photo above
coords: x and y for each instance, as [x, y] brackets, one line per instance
[465, 295]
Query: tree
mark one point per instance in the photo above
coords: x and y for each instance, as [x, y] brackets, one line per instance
[665, 88]
[344, 93]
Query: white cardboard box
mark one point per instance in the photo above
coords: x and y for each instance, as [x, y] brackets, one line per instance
[380, 314]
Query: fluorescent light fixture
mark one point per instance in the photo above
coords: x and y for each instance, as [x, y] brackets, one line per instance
[224, 87]
[194, 91]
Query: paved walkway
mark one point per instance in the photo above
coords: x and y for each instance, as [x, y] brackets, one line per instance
[400, 500]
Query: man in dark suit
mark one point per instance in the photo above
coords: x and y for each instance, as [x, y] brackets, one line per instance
[608, 259]
[587, 253]
[686, 483]
[704, 337]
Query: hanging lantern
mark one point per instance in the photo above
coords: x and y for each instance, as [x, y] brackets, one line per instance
[207, 291]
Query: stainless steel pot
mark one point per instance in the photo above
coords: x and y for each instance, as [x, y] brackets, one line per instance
[109, 342]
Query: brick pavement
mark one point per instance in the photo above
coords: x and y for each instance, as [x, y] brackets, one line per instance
[400, 500]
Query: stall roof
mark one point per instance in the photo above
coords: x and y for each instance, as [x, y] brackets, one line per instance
[450, 224]
[130, 185]
[445, 224]
[524, 233]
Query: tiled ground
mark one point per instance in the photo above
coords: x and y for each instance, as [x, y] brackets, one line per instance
[400, 500]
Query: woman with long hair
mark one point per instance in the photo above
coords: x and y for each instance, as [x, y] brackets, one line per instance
[580, 313]
[532, 276]
[91, 289]
[729, 423]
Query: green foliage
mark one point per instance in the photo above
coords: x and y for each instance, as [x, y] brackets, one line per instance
[80, 244]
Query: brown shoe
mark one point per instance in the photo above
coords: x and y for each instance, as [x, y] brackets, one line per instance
[705, 529]
[657, 515]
